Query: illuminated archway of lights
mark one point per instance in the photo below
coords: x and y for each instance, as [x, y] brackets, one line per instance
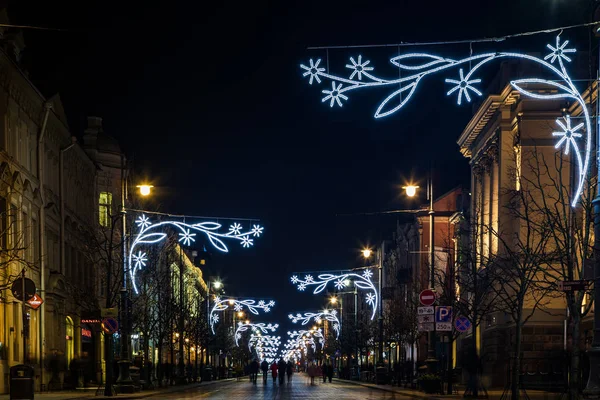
[152, 233]
[362, 281]
[421, 65]
[318, 318]
[238, 305]
[266, 347]
[260, 327]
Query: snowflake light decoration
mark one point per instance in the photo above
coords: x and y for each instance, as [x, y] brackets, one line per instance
[140, 259]
[221, 305]
[360, 281]
[317, 317]
[422, 65]
[568, 134]
[152, 233]
[264, 328]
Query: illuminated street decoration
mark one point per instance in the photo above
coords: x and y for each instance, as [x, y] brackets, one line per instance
[421, 65]
[238, 305]
[243, 327]
[318, 317]
[360, 281]
[152, 233]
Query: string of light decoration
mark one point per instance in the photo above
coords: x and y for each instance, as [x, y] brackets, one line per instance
[340, 281]
[318, 318]
[152, 233]
[259, 327]
[421, 65]
[251, 305]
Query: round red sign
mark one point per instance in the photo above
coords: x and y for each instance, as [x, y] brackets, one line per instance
[427, 297]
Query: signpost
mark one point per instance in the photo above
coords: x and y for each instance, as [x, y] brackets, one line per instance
[35, 302]
[462, 324]
[425, 311]
[110, 325]
[571, 286]
[109, 312]
[427, 297]
[443, 318]
[425, 319]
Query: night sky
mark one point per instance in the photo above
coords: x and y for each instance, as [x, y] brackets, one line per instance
[209, 103]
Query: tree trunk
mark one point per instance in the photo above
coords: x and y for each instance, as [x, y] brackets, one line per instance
[515, 384]
[475, 367]
[575, 357]
[159, 364]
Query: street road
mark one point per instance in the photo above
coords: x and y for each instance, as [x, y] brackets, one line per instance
[300, 388]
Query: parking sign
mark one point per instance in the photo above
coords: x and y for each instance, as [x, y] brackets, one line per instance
[443, 314]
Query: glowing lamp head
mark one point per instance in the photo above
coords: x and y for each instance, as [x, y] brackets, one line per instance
[145, 189]
[231, 302]
[240, 314]
[217, 285]
[410, 190]
[333, 300]
[366, 253]
[176, 334]
[247, 322]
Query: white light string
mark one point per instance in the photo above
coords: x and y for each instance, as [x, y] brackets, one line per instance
[318, 318]
[251, 305]
[152, 233]
[421, 65]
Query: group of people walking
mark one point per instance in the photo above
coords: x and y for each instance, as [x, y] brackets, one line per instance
[280, 369]
[325, 370]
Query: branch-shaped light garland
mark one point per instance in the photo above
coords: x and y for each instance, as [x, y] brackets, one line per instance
[264, 328]
[318, 317]
[187, 232]
[238, 305]
[423, 65]
[360, 281]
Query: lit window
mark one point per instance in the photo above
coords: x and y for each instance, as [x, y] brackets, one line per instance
[105, 205]
[517, 150]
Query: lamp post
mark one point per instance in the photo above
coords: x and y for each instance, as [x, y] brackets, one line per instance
[216, 285]
[125, 382]
[411, 191]
[366, 253]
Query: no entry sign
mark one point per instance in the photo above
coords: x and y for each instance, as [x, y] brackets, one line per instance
[427, 297]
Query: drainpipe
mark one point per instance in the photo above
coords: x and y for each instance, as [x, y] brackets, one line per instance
[62, 202]
[42, 234]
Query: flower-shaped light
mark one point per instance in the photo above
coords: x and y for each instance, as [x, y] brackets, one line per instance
[370, 298]
[215, 318]
[187, 237]
[339, 284]
[568, 133]
[309, 278]
[358, 67]
[313, 70]
[140, 259]
[257, 230]
[559, 51]
[318, 319]
[368, 274]
[271, 303]
[334, 94]
[463, 85]
[301, 287]
[238, 307]
[143, 222]
[294, 279]
[246, 241]
[235, 228]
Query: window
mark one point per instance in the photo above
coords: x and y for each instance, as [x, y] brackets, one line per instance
[35, 228]
[517, 150]
[26, 237]
[14, 231]
[105, 206]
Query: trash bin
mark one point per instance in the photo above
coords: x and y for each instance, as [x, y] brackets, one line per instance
[21, 382]
[381, 376]
[207, 374]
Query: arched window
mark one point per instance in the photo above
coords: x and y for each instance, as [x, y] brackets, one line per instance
[70, 347]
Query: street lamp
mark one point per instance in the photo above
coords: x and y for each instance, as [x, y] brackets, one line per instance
[410, 192]
[366, 253]
[145, 189]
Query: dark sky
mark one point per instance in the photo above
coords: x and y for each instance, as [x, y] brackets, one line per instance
[208, 100]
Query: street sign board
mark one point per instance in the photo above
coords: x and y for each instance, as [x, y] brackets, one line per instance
[443, 327]
[425, 311]
[35, 302]
[443, 314]
[110, 325]
[425, 318]
[17, 289]
[462, 324]
[427, 297]
[428, 327]
[569, 286]
[108, 312]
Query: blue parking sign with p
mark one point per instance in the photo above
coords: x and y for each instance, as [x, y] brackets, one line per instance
[443, 314]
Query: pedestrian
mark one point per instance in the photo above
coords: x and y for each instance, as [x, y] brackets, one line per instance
[264, 366]
[312, 372]
[274, 372]
[329, 371]
[324, 371]
[289, 369]
[254, 370]
[282, 368]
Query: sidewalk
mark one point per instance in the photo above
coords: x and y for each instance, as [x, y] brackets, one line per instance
[88, 394]
[417, 394]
